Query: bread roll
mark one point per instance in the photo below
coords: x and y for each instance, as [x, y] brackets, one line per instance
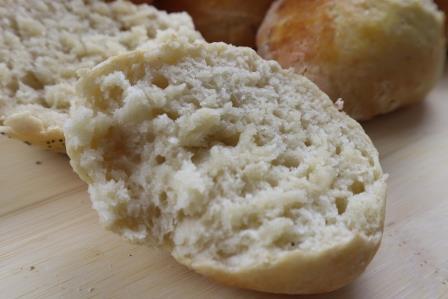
[142, 1]
[231, 21]
[377, 55]
[43, 45]
[245, 172]
[443, 5]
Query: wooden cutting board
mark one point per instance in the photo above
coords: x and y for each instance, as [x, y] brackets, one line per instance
[51, 245]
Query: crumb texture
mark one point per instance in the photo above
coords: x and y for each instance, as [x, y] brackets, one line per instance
[225, 159]
[45, 43]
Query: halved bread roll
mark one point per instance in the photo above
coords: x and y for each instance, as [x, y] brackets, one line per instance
[377, 55]
[45, 43]
[244, 171]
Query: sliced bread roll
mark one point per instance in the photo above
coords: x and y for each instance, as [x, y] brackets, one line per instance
[244, 171]
[43, 44]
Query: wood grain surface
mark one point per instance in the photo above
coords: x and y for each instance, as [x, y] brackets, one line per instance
[51, 245]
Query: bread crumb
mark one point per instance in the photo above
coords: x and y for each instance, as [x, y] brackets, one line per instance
[339, 104]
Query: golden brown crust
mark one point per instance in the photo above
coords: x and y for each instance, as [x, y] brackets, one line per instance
[374, 64]
[232, 21]
[287, 20]
[310, 21]
[142, 1]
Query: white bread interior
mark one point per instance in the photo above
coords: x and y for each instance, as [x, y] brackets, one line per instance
[244, 171]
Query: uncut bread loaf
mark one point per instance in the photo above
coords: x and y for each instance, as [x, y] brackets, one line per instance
[377, 55]
[45, 43]
[443, 6]
[244, 171]
[232, 21]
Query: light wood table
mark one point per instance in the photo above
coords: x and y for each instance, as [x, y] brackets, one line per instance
[51, 245]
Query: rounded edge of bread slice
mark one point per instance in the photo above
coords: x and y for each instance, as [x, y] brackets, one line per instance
[245, 172]
[44, 46]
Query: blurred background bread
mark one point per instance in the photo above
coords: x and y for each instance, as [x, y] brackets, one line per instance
[377, 55]
[443, 5]
[232, 21]
[142, 1]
